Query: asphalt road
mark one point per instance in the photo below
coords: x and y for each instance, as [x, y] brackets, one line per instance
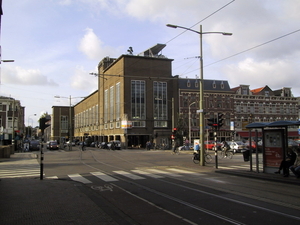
[156, 187]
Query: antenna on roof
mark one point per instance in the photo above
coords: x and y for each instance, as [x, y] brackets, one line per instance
[130, 50]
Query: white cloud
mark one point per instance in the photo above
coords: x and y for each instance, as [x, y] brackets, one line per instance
[276, 74]
[18, 75]
[65, 2]
[83, 81]
[94, 48]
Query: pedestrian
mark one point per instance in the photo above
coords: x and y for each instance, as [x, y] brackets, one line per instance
[197, 147]
[287, 163]
[296, 167]
[148, 145]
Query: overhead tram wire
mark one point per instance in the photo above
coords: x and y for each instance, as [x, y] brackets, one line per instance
[201, 21]
[249, 49]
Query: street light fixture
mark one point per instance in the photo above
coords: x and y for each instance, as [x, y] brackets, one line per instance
[190, 136]
[201, 110]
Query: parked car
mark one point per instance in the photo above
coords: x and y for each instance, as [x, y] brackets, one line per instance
[209, 144]
[68, 143]
[52, 145]
[236, 146]
[34, 145]
[103, 145]
[93, 144]
[114, 145]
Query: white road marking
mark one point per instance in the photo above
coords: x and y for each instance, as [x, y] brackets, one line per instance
[79, 178]
[147, 174]
[129, 175]
[155, 171]
[103, 176]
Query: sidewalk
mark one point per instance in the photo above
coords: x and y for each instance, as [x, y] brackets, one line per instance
[33, 201]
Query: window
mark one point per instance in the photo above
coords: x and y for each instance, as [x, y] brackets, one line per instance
[138, 95]
[118, 103]
[160, 100]
[111, 102]
[64, 123]
[105, 106]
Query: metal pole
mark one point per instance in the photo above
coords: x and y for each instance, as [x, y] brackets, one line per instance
[190, 135]
[13, 126]
[41, 162]
[201, 125]
[216, 150]
[70, 125]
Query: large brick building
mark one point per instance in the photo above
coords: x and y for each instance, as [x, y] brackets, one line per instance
[138, 100]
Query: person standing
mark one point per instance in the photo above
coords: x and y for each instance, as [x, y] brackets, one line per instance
[296, 167]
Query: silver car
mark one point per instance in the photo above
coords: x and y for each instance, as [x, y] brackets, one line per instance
[236, 146]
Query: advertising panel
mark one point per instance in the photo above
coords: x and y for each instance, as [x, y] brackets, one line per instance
[273, 148]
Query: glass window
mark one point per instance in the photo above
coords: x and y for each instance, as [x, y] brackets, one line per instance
[160, 101]
[138, 95]
[64, 122]
[111, 102]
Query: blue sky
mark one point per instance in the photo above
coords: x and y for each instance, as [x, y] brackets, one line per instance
[57, 43]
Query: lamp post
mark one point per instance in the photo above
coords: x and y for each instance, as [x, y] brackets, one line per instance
[190, 135]
[201, 110]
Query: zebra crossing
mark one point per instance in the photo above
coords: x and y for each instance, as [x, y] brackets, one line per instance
[136, 174]
[20, 168]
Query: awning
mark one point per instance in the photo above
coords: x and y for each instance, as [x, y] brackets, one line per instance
[246, 134]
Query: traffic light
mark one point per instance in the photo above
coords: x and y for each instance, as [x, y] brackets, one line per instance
[220, 120]
[174, 131]
[212, 122]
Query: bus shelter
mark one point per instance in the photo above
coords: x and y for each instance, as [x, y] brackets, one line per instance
[274, 144]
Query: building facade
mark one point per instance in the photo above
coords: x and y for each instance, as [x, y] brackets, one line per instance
[264, 105]
[138, 100]
[133, 101]
[11, 120]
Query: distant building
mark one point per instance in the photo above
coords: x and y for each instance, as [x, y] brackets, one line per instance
[263, 105]
[11, 120]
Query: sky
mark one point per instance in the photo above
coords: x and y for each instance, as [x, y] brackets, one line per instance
[57, 43]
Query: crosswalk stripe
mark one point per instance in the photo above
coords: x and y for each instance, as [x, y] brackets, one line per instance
[129, 175]
[52, 177]
[183, 171]
[164, 172]
[103, 176]
[79, 178]
[147, 174]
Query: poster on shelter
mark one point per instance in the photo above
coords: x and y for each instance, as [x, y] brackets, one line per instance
[273, 148]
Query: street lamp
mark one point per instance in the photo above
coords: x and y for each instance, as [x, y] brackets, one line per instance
[201, 110]
[190, 136]
[70, 118]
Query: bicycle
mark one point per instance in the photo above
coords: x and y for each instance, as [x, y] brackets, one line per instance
[228, 155]
[196, 157]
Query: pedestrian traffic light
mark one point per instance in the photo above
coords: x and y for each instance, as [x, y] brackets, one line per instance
[174, 130]
[220, 120]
